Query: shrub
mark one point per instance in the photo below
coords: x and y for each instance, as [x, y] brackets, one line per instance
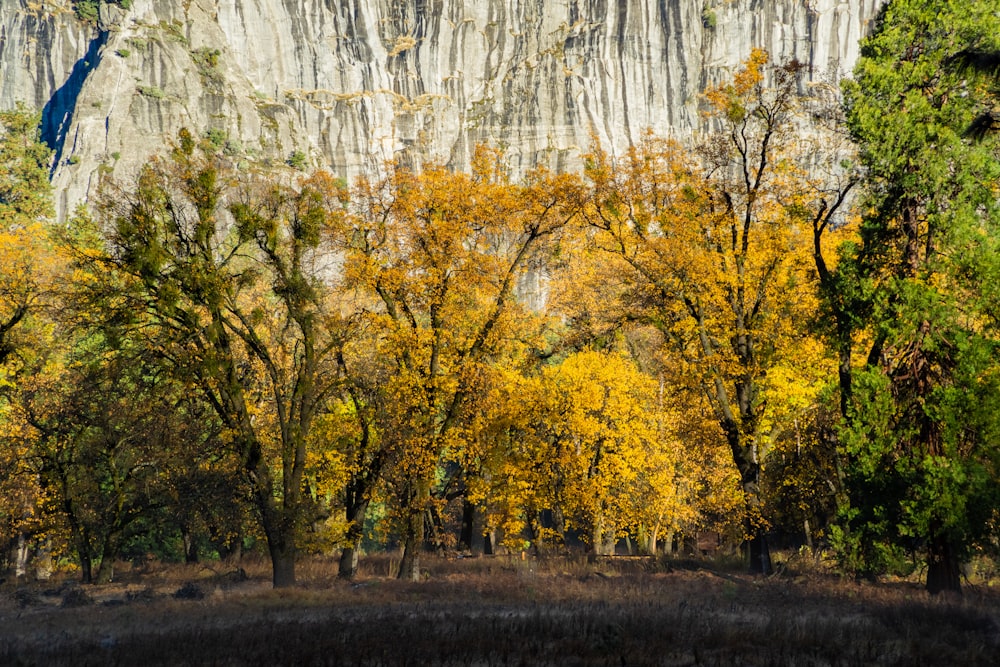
[297, 160]
[89, 10]
[708, 18]
[216, 137]
[86, 10]
[154, 92]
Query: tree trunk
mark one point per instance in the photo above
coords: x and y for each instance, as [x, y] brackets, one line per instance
[190, 547]
[760, 553]
[559, 525]
[646, 539]
[473, 525]
[282, 566]
[943, 567]
[280, 533]
[490, 542]
[757, 548]
[43, 560]
[21, 558]
[109, 553]
[603, 539]
[86, 569]
[356, 526]
[278, 519]
[105, 571]
[409, 568]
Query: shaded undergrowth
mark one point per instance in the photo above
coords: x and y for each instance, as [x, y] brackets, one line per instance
[499, 612]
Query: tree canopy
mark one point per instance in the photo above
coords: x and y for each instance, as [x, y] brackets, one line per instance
[785, 332]
[921, 458]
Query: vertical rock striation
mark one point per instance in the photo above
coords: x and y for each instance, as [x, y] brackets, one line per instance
[352, 83]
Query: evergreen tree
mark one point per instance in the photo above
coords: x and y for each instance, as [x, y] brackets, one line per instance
[920, 457]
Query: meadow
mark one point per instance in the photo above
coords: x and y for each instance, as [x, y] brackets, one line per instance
[496, 611]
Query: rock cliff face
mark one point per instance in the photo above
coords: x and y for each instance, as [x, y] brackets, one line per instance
[352, 83]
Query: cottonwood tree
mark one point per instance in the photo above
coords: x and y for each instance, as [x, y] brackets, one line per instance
[28, 267]
[365, 445]
[440, 254]
[226, 276]
[919, 439]
[587, 441]
[717, 247]
[25, 207]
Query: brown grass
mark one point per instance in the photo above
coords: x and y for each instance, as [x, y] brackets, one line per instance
[494, 611]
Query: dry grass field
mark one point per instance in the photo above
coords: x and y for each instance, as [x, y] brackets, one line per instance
[495, 611]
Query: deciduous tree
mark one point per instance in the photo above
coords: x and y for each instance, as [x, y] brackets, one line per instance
[440, 254]
[717, 247]
[25, 208]
[227, 276]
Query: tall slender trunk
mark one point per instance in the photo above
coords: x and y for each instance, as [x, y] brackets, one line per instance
[760, 554]
[646, 539]
[21, 558]
[190, 546]
[668, 543]
[417, 496]
[109, 554]
[413, 542]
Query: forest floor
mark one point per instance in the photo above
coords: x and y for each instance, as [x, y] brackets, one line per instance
[495, 611]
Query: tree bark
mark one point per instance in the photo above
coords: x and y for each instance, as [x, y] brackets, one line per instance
[757, 548]
[409, 568]
[86, 569]
[760, 554]
[279, 529]
[282, 566]
[943, 567]
[668, 543]
[490, 542]
[473, 525]
[105, 572]
[349, 557]
[190, 547]
[109, 553]
[21, 558]
[602, 538]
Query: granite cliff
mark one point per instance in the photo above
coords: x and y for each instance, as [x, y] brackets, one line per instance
[348, 84]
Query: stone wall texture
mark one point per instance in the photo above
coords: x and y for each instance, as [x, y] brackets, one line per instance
[353, 83]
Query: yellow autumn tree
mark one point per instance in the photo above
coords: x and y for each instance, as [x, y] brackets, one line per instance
[717, 245]
[439, 255]
[584, 446]
[28, 267]
[25, 207]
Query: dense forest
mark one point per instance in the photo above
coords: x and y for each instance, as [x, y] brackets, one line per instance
[785, 332]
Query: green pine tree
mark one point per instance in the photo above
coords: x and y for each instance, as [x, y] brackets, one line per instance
[919, 431]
